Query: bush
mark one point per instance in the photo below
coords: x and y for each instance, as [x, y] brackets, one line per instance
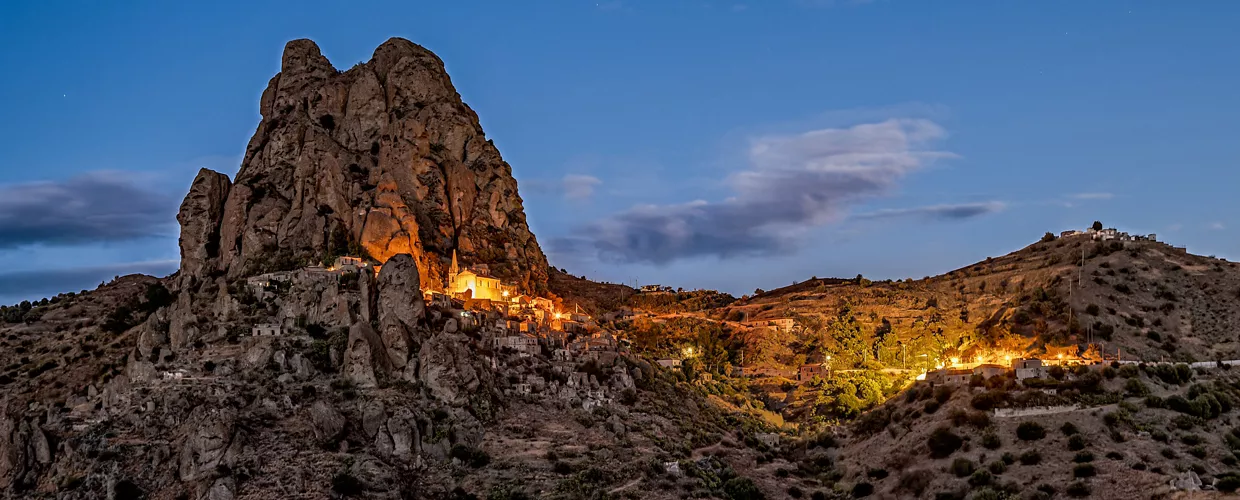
[931, 407]
[980, 478]
[346, 485]
[1197, 451]
[1083, 457]
[962, 467]
[1134, 388]
[1084, 470]
[1030, 431]
[991, 441]
[1228, 482]
[1008, 458]
[470, 456]
[1031, 457]
[1115, 455]
[742, 488]
[1078, 490]
[943, 442]
[1076, 442]
[862, 490]
[988, 400]
[1069, 429]
[997, 467]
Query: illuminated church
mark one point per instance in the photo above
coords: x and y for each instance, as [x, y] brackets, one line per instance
[477, 282]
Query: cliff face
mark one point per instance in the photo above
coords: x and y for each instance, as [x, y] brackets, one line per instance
[383, 158]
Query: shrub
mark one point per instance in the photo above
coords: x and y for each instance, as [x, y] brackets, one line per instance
[1134, 388]
[1084, 470]
[991, 441]
[962, 467]
[1078, 490]
[1076, 442]
[470, 456]
[930, 407]
[1083, 457]
[997, 467]
[1228, 482]
[861, 490]
[1068, 429]
[943, 442]
[742, 488]
[1030, 431]
[346, 485]
[1008, 458]
[1197, 451]
[876, 473]
[988, 400]
[980, 478]
[795, 492]
[1031, 457]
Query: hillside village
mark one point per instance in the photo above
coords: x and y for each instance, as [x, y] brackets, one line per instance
[363, 312]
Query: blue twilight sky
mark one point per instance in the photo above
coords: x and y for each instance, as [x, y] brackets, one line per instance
[696, 143]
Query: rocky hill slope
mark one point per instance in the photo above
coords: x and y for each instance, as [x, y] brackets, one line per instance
[381, 159]
[207, 386]
[1139, 299]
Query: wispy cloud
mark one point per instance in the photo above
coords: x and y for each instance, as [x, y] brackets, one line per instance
[32, 284]
[1217, 226]
[793, 184]
[96, 207]
[579, 187]
[936, 212]
[571, 186]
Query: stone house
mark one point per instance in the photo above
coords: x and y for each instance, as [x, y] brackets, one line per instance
[770, 439]
[990, 370]
[949, 376]
[807, 372]
[669, 362]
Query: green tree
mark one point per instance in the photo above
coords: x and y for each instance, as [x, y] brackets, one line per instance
[1097, 226]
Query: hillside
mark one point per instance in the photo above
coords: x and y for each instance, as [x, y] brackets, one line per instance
[1139, 299]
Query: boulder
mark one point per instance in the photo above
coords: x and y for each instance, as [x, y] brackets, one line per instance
[211, 441]
[400, 307]
[329, 424]
[365, 358]
[451, 370]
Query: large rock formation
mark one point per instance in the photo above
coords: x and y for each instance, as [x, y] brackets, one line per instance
[384, 157]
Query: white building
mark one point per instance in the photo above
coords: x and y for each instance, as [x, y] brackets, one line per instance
[1029, 368]
[267, 330]
[669, 362]
[523, 344]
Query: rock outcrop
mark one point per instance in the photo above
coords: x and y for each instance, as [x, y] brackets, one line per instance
[200, 216]
[400, 307]
[384, 157]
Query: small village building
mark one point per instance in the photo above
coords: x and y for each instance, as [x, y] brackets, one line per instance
[949, 376]
[669, 362]
[777, 324]
[572, 326]
[437, 300]
[770, 439]
[1029, 368]
[266, 330]
[990, 370]
[348, 264]
[578, 317]
[523, 344]
[809, 371]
